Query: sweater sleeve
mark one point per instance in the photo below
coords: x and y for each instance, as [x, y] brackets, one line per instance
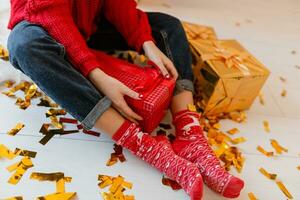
[131, 22]
[55, 17]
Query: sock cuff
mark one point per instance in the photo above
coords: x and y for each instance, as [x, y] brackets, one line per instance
[178, 115]
[121, 131]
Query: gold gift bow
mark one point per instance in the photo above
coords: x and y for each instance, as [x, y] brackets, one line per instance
[231, 58]
[202, 32]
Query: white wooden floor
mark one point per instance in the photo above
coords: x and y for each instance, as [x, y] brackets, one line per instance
[270, 29]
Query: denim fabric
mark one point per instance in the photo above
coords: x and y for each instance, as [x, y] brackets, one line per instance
[170, 39]
[34, 52]
[37, 55]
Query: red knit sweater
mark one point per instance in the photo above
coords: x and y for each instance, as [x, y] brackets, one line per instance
[72, 22]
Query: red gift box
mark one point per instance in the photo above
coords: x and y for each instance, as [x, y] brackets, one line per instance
[157, 91]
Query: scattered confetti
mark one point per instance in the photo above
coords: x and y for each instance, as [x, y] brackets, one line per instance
[16, 129]
[117, 187]
[90, 132]
[282, 79]
[117, 155]
[261, 98]
[267, 174]
[238, 140]
[266, 126]
[284, 190]
[278, 148]
[233, 131]
[283, 93]
[15, 198]
[67, 120]
[4, 53]
[60, 180]
[55, 112]
[46, 102]
[9, 83]
[171, 183]
[6, 153]
[19, 169]
[252, 196]
[263, 151]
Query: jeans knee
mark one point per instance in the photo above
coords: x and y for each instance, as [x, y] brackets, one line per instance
[23, 40]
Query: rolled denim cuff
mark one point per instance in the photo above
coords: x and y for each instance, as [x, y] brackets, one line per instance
[90, 120]
[183, 85]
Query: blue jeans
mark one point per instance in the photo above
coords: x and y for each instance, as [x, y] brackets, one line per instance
[34, 52]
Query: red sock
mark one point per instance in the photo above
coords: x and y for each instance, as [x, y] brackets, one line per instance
[192, 145]
[160, 155]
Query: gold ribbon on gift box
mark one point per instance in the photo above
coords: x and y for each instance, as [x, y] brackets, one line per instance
[230, 56]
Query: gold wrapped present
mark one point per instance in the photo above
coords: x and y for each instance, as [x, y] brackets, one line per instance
[195, 32]
[228, 77]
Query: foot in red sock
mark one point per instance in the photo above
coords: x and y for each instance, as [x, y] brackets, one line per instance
[191, 144]
[160, 155]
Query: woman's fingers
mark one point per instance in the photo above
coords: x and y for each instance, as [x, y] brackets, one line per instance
[127, 111]
[129, 92]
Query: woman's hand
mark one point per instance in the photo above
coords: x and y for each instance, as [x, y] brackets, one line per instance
[115, 91]
[160, 59]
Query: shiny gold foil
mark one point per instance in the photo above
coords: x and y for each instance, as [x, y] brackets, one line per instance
[16, 129]
[278, 148]
[19, 169]
[4, 55]
[252, 196]
[284, 190]
[266, 126]
[263, 151]
[228, 77]
[267, 174]
[199, 32]
[6, 152]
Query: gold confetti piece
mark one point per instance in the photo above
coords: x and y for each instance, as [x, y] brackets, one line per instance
[261, 98]
[117, 155]
[60, 180]
[263, 151]
[282, 79]
[238, 140]
[16, 129]
[6, 153]
[279, 149]
[283, 93]
[4, 55]
[298, 167]
[252, 196]
[55, 122]
[233, 131]
[27, 153]
[15, 198]
[217, 126]
[267, 174]
[117, 186]
[46, 102]
[55, 112]
[9, 83]
[266, 126]
[20, 168]
[284, 190]
[293, 52]
[191, 107]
